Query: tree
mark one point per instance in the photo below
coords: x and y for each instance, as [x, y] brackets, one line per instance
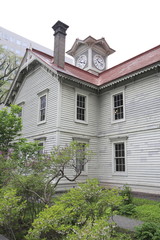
[10, 127]
[9, 63]
[29, 166]
[11, 207]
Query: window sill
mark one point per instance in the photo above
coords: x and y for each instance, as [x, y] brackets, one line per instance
[42, 122]
[121, 174]
[118, 121]
[83, 122]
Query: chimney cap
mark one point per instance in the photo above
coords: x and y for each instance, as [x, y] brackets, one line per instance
[60, 27]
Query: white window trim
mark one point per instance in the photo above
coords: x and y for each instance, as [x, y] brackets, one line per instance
[86, 109]
[119, 173]
[21, 104]
[113, 121]
[41, 94]
[43, 141]
[86, 141]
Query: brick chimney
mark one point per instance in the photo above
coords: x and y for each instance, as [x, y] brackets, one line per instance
[59, 43]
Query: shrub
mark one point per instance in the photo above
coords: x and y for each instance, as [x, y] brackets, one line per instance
[81, 208]
[147, 231]
[127, 209]
[126, 194]
[11, 208]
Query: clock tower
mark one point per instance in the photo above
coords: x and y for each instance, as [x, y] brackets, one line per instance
[91, 54]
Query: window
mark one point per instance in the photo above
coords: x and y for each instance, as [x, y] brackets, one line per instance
[42, 115]
[119, 157]
[118, 106]
[81, 108]
[21, 104]
[20, 114]
[80, 157]
[42, 108]
[41, 144]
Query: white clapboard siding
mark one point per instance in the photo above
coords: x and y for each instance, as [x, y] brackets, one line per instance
[141, 128]
[91, 166]
[142, 104]
[68, 111]
[33, 84]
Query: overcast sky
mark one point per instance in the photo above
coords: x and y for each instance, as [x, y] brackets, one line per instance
[129, 26]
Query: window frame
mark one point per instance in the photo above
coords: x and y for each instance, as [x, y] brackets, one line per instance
[114, 172]
[85, 121]
[40, 95]
[41, 142]
[113, 120]
[21, 104]
[82, 141]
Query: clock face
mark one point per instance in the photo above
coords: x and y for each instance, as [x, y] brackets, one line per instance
[99, 62]
[81, 61]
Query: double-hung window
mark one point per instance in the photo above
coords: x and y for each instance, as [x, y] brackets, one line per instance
[20, 114]
[119, 157]
[80, 157]
[81, 108]
[118, 106]
[42, 115]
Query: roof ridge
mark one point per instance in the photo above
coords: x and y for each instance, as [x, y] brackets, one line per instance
[136, 56]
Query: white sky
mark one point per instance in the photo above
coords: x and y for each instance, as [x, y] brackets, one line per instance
[129, 26]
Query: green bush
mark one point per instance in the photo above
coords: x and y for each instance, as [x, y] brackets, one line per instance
[147, 231]
[126, 194]
[11, 208]
[81, 209]
[128, 209]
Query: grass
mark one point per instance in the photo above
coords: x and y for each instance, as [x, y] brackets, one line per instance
[147, 210]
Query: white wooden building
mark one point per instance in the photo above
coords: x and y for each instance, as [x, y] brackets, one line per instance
[116, 110]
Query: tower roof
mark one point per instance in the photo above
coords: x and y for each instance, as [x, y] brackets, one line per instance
[90, 41]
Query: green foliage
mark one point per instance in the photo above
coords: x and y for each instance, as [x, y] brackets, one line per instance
[97, 230]
[9, 63]
[147, 231]
[81, 207]
[142, 201]
[10, 127]
[127, 210]
[126, 194]
[148, 213]
[11, 208]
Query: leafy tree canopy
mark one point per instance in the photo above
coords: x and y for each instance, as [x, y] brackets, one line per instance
[10, 126]
[9, 63]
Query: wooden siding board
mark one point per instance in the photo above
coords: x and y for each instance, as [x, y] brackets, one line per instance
[142, 104]
[68, 111]
[39, 80]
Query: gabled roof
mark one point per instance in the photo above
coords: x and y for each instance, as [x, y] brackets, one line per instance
[124, 70]
[130, 66]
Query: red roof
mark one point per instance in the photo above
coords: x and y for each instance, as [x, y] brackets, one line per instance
[134, 64]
